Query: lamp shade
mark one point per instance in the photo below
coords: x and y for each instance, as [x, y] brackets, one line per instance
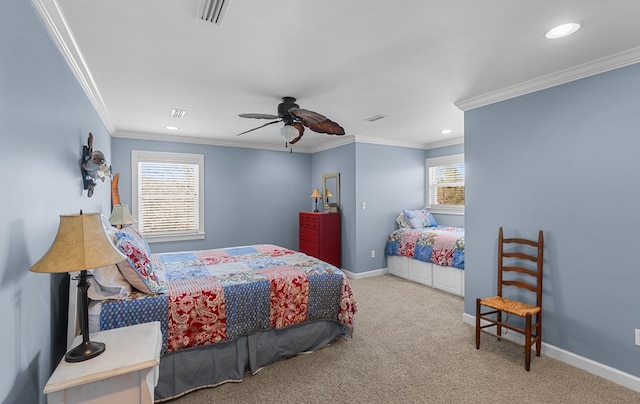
[120, 215]
[328, 194]
[316, 193]
[80, 244]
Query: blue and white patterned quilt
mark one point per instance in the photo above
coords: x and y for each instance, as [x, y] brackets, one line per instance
[217, 295]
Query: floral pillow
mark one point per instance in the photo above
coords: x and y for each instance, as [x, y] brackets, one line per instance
[137, 237]
[138, 268]
[416, 219]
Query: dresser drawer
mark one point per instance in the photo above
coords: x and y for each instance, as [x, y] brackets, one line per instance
[308, 218]
[309, 234]
[305, 223]
[309, 248]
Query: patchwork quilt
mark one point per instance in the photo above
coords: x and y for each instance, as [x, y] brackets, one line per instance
[440, 245]
[218, 295]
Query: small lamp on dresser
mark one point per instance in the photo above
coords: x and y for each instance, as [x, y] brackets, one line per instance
[316, 194]
[80, 244]
[327, 195]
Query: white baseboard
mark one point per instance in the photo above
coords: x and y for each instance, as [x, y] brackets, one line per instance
[607, 372]
[367, 274]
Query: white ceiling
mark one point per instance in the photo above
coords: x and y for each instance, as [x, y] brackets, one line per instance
[417, 62]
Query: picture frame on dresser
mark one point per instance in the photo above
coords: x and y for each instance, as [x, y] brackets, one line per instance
[331, 191]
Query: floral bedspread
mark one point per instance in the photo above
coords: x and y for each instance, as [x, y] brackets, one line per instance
[218, 295]
[440, 245]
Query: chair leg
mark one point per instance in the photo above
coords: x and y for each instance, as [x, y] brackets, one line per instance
[499, 325]
[527, 343]
[539, 333]
[477, 323]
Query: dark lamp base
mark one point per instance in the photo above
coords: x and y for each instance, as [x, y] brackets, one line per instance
[84, 351]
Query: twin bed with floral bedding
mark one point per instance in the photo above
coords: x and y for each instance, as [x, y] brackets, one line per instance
[223, 312]
[422, 251]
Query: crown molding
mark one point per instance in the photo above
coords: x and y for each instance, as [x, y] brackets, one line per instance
[342, 141]
[389, 142]
[206, 141]
[384, 142]
[602, 65]
[56, 24]
[445, 143]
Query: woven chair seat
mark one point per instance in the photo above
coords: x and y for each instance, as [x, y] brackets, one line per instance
[510, 306]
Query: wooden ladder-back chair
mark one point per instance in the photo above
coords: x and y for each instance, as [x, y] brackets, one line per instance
[526, 279]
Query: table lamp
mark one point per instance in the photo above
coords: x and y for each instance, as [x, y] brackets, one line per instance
[120, 216]
[80, 244]
[327, 195]
[316, 194]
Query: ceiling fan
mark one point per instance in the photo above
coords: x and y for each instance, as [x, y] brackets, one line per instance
[295, 119]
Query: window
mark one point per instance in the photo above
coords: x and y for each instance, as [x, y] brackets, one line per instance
[168, 195]
[445, 184]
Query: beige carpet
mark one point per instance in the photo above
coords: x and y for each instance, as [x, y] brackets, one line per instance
[411, 346]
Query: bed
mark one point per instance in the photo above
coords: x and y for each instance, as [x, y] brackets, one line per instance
[223, 312]
[423, 251]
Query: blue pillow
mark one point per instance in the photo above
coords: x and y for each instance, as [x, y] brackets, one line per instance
[419, 219]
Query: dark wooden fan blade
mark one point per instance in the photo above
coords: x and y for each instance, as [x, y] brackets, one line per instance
[261, 126]
[307, 116]
[300, 128]
[258, 116]
[317, 122]
[328, 127]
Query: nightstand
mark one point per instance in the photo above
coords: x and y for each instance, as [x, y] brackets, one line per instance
[126, 372]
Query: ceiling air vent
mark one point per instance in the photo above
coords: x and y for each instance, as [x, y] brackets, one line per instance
[212, 10]
[375, 118]
[178, 113]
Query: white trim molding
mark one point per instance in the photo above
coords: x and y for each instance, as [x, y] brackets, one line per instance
[602, 65]
[367, 274]
[606, 372]
[56, 24]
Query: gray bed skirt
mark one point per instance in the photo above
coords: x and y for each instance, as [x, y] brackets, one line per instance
[215, 364]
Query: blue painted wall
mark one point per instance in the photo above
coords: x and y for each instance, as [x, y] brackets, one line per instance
[389, 179]
[564, 160]
[339, 160]
[251, 196]
[45, 118]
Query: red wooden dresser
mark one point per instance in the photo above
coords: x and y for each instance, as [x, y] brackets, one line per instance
[319, 236]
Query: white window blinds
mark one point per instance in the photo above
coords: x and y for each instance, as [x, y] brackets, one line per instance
[169, 194]
[445, 183]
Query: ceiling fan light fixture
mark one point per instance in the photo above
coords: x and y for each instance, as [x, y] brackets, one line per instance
[288, 133]
[562, 30]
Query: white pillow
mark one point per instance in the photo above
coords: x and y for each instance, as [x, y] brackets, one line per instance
[108, 283]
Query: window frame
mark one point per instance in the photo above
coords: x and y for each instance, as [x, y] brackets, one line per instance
[442, 161]
[142, 156]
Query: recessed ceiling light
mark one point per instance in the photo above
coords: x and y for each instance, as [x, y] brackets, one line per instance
[446, 131]
[171, 127]
[563, 30]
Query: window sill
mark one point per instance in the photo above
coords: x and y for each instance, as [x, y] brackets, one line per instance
[172, 237]
[459, 211]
